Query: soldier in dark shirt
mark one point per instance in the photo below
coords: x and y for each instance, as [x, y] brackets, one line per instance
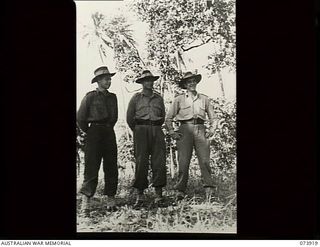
[190, 109]
[97, 116]
[145, 115]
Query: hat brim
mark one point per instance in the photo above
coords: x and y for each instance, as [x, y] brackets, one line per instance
[153, 78]
[182, 82]
[96, 78]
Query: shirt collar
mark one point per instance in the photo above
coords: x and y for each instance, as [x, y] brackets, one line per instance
[105, 92]
[196, 97]
[152, 95]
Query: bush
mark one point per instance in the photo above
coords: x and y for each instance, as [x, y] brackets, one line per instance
[222, 155]
[223, 147]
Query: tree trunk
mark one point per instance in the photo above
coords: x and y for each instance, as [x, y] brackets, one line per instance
[171, 162]
[221, 83]
[176, 152]
[101, 55]
[171, 92]
[161, 85]
[163, 80]
[173, 155]
[178, 61]
[124, 108]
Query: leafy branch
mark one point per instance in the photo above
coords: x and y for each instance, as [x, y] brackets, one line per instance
[195, 46]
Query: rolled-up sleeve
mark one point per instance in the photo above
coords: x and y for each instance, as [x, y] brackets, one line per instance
[173, 111]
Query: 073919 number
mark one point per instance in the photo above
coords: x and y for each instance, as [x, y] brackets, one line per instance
[314, 243]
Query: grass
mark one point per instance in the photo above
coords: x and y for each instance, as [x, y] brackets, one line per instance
[188, 215]
[193, 214]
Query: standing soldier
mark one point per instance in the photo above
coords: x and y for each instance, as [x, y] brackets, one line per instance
[97, 116]
[145, 115]
[190, 110]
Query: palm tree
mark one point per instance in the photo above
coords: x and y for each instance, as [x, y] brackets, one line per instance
[97, 37]
[114, 37]
[114, 34]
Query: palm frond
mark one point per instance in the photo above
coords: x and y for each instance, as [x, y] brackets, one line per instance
[101, 53]
[107, 43]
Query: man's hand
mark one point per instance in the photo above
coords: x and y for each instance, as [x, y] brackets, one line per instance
[81, 139]
[210, 133]
[175, 135]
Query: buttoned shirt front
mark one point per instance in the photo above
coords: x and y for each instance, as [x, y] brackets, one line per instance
[145, 107]
[98, 106]
[184, 107]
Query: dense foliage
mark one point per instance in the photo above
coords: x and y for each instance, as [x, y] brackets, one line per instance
[179, 26]
[175, 27]
[114, 36]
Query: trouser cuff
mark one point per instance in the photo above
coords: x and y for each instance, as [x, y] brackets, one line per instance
[85, 194]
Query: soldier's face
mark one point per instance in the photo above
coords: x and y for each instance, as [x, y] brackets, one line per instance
[191, 84]
[148, 84]
[105, 82]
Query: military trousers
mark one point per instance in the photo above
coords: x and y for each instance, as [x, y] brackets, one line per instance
[100, 145]
[149, 148]
[193, 137]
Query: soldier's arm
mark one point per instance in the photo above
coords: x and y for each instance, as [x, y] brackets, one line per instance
[211, 114]
[131, 112]
[173, 111]
[163, 111]
[114, 111]
[82, 114]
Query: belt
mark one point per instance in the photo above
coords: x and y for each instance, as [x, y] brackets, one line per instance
[192, 121]
[106, 124]
[148, 122]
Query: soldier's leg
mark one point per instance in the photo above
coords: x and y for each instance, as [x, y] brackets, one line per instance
[110, 166]
[202, 147]
[92, 159]
[185, 148]
[158, 157]
[141, 149]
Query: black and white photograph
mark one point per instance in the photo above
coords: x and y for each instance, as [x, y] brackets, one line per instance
[156, 116]
[159, 120]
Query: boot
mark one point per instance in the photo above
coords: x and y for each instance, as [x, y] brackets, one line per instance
[85, 205]
[140, 199]
[111, 203]
[159, 196]
[180, 195]
[210, 193]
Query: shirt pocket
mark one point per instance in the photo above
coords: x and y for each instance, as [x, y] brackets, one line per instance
[98, 110]
[142, 111]
[112, 105]
[157, 110]
[185, 110]
[202, 111]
